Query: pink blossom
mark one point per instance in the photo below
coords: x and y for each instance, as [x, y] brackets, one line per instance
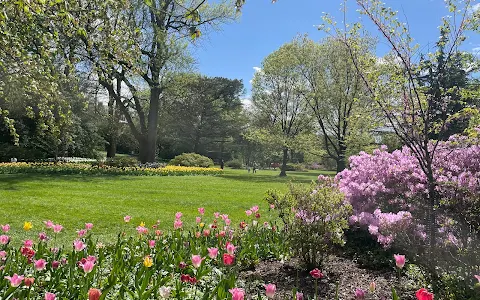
[55, 264]
[4, 239]
[3, 254]
[254, 209]
[177, 224]
[178, 215]
[81, 232]
[87, 266]
[50, 296]
[298, 296]
[15, 280]
[201, 210]
[5, 228]
[28, 244]
[88, 226]
[127, 219]
[48, 224]
[224, 217]
[272, 206]
[237, 293]
[228, 222]
[40, 264]
[216, 214]
[142, 230]
[477, 277]
[270, 290]
[42, 236]
[230, 248]
[212, 252]
[359, 294]
[248, 212]
[57, 228]
[78, 245]
[196, 261]
[198, 220]
[151, 243]
[399, 260]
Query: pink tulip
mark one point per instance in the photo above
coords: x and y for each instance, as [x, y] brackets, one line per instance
[228, 222]
[42, 236]
[201, 210]
[142, 230]
[372, 286]
[81, 232]
[272, 206]
[237, 293]
[29, 281]
[78, 245]
[50, 296]
[196, 261]
[316, 273]
[248, 212]
[127, 219]
[55, 264]
[299, 296]
[15, 280]
[40, 264]
[57, 228]
[177, 224]
[216, 214]
[230, 248]
[477, 277]
[151, 243]
[178, 215]
[4, 239]
[28, 244]
[254, 208]
[359, 294]
[270, 290]
[399, 260]
[48, 224]
[5, 228]
[212, 252]
[198, 220]
[224, 217]
[88, 226]
[87, 266]
[3, 255]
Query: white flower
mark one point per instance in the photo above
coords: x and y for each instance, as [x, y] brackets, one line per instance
[165, 291]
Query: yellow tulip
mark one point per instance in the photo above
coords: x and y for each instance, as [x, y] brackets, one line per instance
[27, 226]
[148, 261]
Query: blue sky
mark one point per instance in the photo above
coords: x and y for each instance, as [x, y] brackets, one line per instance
[263, 27]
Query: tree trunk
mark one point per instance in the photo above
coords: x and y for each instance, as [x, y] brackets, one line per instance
[283, 171]
[150, 146]
[112, 146]
[341, 161]
[143, 146]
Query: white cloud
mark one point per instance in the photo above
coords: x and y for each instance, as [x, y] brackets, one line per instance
[247, 101]
[257, 69]
[476, 7]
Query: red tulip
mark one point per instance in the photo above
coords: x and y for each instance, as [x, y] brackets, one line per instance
[94, 294]
[316, 273]
[228, 259]
[423, 294]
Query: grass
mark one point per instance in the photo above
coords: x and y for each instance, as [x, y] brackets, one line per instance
[73, 200]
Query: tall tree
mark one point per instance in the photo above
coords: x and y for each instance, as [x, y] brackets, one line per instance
[279, 105]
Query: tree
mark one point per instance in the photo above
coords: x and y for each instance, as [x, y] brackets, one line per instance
[139, 43]
[334, 91]
[201, 114]
[412, 112]
[279, 105]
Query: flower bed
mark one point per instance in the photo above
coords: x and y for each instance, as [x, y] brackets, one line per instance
[80, 168]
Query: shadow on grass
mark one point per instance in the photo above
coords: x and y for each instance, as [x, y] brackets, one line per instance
[295, 177]
[11, 181]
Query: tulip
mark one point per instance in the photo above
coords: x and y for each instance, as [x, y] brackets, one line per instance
[5, 228]
[270, 290]
[201, 210]
[198, 220]
[57, 228]
[48, 224]
[477, 277]
[230, 248]
[372, 286]
[248, 212]
[228, 259]
[27, 226]
[147, 261]
[177, 224]
[4, 239]
[212, 252]
[88, 266]
[78, 245]
[94, 294]
[151, 243]
[50, 296]
[15, 280]
[178, 215]
[127, 219]
[399, 260]
[359, 294]
[237, 293]
[254, 208]
[29, 281]
[142, 229]
[423, 294]
[42, 236]
[55, 264]
[40, 264]
[3, 254]
[299, 296]
[28, 244]
[196, 261]
[315, 273]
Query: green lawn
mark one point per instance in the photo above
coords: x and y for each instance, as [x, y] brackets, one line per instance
[104, 200]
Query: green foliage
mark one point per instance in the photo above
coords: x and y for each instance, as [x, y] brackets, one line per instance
[191, 160]
[315, 218]
[121, 162]
[235, 164]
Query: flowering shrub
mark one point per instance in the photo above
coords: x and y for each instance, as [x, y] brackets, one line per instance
[315, 218]
[78, 168]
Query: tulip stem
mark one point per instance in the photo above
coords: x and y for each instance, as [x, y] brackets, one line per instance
[316, 288]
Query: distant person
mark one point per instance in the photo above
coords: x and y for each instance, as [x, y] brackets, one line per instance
[222, 164]
[254, 169]
[248, 169]
[13, 159]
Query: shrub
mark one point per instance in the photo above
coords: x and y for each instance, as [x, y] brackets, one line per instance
[191, 160]
[121, 162]
[315, 218]
[296, 167]
[235, 164]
